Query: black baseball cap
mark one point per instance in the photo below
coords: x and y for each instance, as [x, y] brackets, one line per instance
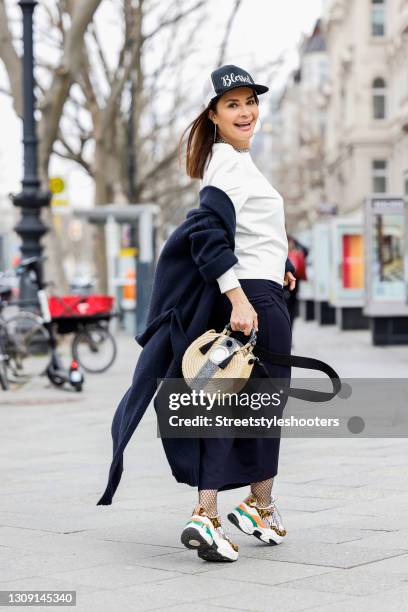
[229, 77]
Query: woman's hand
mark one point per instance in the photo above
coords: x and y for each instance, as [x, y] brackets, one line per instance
[243, 315]
[290, 280]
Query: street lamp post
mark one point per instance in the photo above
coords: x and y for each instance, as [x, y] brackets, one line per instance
[132, 190]
[31, 199]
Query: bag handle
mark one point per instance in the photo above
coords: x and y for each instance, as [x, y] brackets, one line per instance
[252, 338]
[301, 362]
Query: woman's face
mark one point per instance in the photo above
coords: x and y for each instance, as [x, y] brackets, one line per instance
[235, 114]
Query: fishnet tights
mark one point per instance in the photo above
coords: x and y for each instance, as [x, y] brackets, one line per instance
[208, 500]
[262, 491]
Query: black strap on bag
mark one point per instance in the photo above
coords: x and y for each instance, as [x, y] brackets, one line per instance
[300, 362]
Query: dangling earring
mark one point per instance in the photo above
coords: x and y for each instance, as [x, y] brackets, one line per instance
[215, 131]
[258, 125]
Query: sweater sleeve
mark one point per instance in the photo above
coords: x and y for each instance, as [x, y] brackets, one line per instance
[228, 281]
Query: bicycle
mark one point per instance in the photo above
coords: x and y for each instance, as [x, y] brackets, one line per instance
[4, 358]
[31, 337]
[25, 343]
[93, 346]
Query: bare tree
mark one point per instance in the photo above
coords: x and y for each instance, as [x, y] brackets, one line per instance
[52, 103]
[227, 33]
[10, 59]
[85, 101]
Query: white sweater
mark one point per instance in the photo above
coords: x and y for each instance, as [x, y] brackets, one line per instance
[261, 244]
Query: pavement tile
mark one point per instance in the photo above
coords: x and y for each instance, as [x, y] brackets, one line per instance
[160, 594]
[40, 564]
[327, 534]
[354, 581]
[144, 533]
[80, 545]
[247, 569]
[48, 522]
[114, 575]
[278, 598]
[198, 607]
[392, 565]
[7, 553]
[392, 601]
[46, 583]
[184, 561]
[331, 492]
[323, 554]
[315, 504]
[383, 540]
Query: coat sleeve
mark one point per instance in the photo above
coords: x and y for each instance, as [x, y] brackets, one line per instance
[211, 248]
[289, 267]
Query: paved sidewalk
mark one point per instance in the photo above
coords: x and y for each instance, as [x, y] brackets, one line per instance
[344, 503]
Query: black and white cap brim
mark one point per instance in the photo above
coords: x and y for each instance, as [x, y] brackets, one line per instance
[209, 92]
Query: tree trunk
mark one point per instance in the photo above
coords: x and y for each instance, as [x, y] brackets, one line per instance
[54, 268]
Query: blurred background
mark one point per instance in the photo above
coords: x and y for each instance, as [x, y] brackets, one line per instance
[116, 83]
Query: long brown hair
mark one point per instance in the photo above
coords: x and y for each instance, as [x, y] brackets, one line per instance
[200, 141]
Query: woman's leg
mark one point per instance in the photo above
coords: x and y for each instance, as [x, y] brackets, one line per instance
[262, 491]
[207, 498]
[257, 515]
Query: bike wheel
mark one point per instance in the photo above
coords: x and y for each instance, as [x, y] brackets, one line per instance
[94, 348]
[28, 344]
[4, 381]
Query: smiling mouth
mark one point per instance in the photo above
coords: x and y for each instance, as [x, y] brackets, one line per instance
[243, 126]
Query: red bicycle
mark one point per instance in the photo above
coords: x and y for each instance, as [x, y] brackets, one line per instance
[87, 317]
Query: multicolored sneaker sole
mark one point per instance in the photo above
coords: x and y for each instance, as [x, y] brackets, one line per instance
[200, 535]
[250, 521]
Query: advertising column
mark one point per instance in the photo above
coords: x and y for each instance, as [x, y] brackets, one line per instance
[324, 312]
[347, 287]
[385, 296]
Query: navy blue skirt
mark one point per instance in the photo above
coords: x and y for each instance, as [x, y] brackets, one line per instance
[229, 463]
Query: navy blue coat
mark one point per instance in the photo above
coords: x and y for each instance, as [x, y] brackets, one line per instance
[183, 294]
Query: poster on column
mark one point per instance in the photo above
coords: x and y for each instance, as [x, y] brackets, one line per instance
[347, 278]
[384, 251]
[387, 256]
[352, 261]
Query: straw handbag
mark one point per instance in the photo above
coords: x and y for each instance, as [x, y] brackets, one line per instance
[216, 360]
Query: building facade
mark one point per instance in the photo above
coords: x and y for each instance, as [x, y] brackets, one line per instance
[299, 121]
[366, 141]
[342, 120]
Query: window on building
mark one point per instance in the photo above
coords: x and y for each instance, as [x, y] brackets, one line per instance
[378, 17]
[322, 70]
[379, 98]
[380, 176]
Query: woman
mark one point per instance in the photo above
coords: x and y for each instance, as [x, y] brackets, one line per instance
[251, 295]
[226, 262]
[298, 253]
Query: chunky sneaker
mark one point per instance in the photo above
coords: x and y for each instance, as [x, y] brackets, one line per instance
[263, 523]
[206, 535]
